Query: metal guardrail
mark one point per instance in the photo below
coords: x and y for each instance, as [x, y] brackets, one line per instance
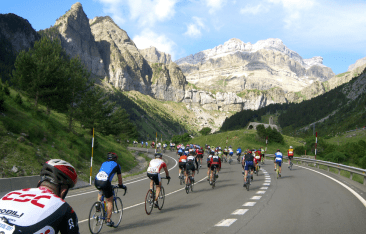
[340, 167]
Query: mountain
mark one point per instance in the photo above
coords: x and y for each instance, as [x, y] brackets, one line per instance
[16, 34]
[154, 56]
[242, 66]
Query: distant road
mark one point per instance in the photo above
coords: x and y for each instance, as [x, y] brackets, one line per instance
[301, 201]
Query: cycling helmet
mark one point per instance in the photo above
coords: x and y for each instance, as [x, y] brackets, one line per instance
[212, 152]
[111, 156]
[230, 146]
[59, 172]
[158, 155]
[278, 150]
[290, 147]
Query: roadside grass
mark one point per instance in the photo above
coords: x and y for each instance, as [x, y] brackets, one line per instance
[47, 137]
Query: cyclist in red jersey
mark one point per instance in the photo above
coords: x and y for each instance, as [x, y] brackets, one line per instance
[215, 162]
[42, 209]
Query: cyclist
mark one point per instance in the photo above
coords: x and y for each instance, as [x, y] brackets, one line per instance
[182, 164]
[42, 209]
[180, 152]
[215, 162]
[211, 153]
[262, 155]
[103, 182]
[290, 154]
[278, 160]
[226, 151]
[153, 172]
[199, 153]
[231, 152]
[164, 146]
[248, 164]
[191, 160]
[147, 144]
[257, 159]
[142, 144]
[238, 153]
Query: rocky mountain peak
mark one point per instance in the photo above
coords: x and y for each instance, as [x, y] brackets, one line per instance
[155, 56]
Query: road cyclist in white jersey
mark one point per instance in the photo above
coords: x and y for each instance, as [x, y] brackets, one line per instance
[42, 209]
[103, 182]
[153, 172]
[211, 153]
[278, 161]
[191, 160]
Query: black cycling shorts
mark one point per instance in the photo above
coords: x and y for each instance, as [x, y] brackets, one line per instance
[155, 177]
[199, 155]
[290, 157]
[213, 166]
[190, 167]
[105, 187]
[182, 165]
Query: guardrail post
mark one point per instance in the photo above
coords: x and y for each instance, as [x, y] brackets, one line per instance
[339, 171]
[327, 168]
[364, 180]
[351, 175]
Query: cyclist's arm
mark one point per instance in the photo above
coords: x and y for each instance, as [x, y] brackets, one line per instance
[195, 160]
[120, 182]
[166, 171]
[69, 224]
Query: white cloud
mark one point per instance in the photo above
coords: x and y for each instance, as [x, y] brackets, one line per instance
[215, 5]
[294, 9]
[254, 10]
[145, 12]
[149, 38]
[194, 29]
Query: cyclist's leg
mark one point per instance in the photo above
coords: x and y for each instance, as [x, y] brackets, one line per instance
[157, 191]
[109, 207]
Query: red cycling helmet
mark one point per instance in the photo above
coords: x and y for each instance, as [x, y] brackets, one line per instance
[59, 172]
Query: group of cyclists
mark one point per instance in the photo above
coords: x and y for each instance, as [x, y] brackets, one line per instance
[58, 176]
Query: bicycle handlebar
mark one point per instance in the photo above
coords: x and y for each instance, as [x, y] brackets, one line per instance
[117, 187]
[166, 179]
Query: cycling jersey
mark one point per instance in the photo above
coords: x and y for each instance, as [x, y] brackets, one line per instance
[278, 157]
[107, 171]
[37, 210]
[290, 152]
[238, 151]
[231, 152]
[155, 166]
[183, 159]
[215, 160]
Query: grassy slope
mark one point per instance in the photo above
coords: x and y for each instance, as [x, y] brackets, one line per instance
[29, 156]
[348, 137]
[245, 139]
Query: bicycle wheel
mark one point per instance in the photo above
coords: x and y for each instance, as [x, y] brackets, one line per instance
[277, 171]
[187, 187]
[248, 181]
[214, 178]
[96, 218]
[149, 202]
[257, 170]
[161, 198]
[118, 210]
[192, 183]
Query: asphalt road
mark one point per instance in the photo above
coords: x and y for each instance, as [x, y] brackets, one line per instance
[301, 201]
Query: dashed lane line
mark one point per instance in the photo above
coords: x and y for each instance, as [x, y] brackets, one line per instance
[249, 204]
[225, 222]
[260, 192]
[240, 212]
[256, 197]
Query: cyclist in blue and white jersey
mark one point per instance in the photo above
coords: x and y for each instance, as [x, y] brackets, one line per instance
[238, 153]
[278, 160]
[103, 182]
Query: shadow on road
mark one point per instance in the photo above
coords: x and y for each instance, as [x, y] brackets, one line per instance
[218, 186]
[138, 224]
[179, 207]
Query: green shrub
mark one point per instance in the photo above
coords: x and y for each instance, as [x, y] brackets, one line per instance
[6, 89]
[12, 125]
[2, 101]
[205, 131]
[36, 133]
[335, 156]
[18, 99]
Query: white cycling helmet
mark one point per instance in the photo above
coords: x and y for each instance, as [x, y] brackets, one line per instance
[290, 147]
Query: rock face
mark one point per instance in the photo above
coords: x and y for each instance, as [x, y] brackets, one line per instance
[77, 39]
[17, 31]
[108, 52]
[359, 63]
[154, 56]
[236, 66]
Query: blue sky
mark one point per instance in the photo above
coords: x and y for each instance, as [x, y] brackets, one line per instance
[334, 30]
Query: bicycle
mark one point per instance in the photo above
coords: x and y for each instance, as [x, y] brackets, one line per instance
[150, 198]
[247, 183]
[278, 170]
[257, 169]
[181, 178]
[98, 212]
[190, 182]
[164, 150]
[215, 176]
[290, 167]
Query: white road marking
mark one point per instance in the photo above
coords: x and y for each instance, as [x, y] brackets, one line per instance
[267, 181]
[266, 184]
[249, 204]
[240, 212]
[225, 222]
[260, 192]
[363, 201]
[264, 188]
[256, 197]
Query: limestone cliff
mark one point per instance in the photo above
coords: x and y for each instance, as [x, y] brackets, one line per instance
[154, 56]
[237, 66]
[77, 39]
